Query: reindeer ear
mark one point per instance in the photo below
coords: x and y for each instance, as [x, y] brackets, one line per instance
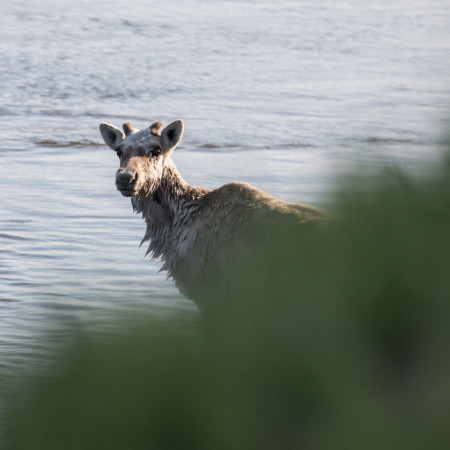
[171, 135]
[111, 135]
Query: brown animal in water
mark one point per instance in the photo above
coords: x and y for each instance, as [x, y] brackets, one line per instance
[198, 234]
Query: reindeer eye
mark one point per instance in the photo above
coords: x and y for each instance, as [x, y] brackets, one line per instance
[155, 152]
[119, 153]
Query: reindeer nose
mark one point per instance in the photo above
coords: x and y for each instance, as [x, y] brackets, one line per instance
[126, 178]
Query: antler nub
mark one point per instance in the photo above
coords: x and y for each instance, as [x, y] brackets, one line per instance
[128, 128]
[155, 128]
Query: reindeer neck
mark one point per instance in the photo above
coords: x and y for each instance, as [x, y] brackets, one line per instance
[174, 192]
[172, 201]
[175, 195]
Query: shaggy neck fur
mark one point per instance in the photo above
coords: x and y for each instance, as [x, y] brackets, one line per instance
[167, 213]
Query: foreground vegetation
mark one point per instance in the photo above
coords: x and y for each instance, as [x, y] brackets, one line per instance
[338, 339]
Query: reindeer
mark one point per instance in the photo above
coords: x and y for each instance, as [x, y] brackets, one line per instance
[198, 234]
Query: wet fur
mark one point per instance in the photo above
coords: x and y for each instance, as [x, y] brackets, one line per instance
[198, 234]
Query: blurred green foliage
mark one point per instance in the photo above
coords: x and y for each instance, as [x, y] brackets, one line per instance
[339, 339]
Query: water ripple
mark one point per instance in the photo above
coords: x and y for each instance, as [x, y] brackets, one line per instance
[14, 237]
[62, 144]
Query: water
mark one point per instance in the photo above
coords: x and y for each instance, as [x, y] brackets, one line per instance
[285, 95]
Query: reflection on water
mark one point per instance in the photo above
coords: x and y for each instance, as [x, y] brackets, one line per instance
[284, 96]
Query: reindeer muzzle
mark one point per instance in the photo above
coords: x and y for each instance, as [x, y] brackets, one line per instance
[126, 180]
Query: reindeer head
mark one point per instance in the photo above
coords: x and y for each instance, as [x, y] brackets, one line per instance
[142, 154]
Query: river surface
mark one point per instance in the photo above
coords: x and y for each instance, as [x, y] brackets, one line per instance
[285, 95]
